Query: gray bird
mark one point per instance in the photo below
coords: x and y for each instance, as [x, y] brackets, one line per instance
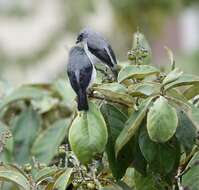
[81, 73]
[97, 45]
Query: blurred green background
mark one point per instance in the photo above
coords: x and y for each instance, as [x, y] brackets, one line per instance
[35, 36]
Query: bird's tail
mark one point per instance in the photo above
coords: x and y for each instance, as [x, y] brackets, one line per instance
[82, 101]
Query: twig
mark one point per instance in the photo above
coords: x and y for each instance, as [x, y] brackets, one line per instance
[178, 177]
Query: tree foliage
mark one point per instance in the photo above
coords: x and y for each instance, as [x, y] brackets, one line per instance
[140, 131]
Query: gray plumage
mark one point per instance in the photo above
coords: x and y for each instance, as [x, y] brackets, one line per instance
[80, 71]
[99, 47]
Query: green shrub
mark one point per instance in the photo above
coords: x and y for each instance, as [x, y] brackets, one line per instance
[140, 132]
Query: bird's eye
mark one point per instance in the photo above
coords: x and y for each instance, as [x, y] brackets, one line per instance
[81, 36]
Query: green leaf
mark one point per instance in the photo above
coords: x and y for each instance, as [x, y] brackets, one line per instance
[13, 174]
[88, 134]
[111, 187]
[24, 92]
[144, 89]
[162, 120]
[184, 79]
[172, 76]
[131, 126]
[63, 180]
[130, 153]
[186, 131]
[149, 182]
[25, 131]
[5, 134]
[190, 180]
[7, 155]
[115, 120]
[136, 71]
[116, 186]
[139, 162]
[144, 182]
[112, 87]
[49, 186]
[162, 158]
[45, 173]
[6, 144]
[128, 177]
[176, 94]
[46, 144]
[195, 116]
[44, 104]
[191, 92]
[171, 57]
[115, 91]
[65, 91]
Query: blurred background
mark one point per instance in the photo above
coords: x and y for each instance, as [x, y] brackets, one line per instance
[36, 35]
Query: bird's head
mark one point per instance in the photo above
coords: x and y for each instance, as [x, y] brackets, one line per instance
[83, 35]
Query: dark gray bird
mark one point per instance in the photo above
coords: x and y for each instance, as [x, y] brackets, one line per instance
[97, 45]
[81, 73]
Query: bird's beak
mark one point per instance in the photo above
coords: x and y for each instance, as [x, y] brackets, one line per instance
[78, 41]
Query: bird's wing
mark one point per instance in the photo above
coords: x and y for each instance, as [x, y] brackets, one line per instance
[111, 54]
[101, 49]
[85, 76]
[79, 70]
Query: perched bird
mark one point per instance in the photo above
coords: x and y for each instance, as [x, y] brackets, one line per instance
[81, 73]
[97, 45]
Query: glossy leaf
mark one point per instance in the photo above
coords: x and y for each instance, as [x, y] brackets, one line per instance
[23, 92]
[131, 126]
[116, 186]
[162, 120]
[184, 79]
[195, 116]
[136, 71]
[63, 180]
[186, 131]
[12, 174]
[144, 182]
[144, 89]
[44, 104]
[162, 158]
[175, 93]
[172, 76]
[111, 187]
[46, 145]
[88, 134]
[139, 162]
[171, 57]
[190, 180]
[128, 177]
[45, 173]
[191, 92]
[130, 153]
[149, 182]
[25, 131]
[65, 91]
[115, 120]
[115, 91]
